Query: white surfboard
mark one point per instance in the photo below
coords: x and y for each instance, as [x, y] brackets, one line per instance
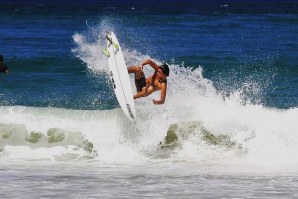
[119, 76]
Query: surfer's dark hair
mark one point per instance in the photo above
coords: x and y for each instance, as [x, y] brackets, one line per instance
[165, 69]
[1, 57]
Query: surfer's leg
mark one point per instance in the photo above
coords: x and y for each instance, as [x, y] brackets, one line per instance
[138, 95]
[134, 69]
[140, 83]
[137, 70]
[140, 80]
[149, 90]
[145, 92]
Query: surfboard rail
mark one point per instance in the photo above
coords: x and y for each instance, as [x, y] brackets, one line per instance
[119, 76]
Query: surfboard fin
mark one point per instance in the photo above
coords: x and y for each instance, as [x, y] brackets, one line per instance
[106, 52]
[116, 46]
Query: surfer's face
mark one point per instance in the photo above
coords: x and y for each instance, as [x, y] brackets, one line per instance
[160, 74]
[164, 69]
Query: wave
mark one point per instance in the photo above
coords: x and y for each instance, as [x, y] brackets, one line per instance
[212, 132]
[58, 134]
[198, 123]
[227, 124]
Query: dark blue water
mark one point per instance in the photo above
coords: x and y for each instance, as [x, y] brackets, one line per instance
[235, 42]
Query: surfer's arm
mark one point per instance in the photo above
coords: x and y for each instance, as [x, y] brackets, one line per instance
[151, 63]
[163, 93]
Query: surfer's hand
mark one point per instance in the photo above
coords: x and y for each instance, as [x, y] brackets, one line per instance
[158, 102]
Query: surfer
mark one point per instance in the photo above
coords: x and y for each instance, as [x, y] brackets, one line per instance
[3, 67]
[155, 82]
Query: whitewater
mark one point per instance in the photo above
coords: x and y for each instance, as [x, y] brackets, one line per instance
[266, 138]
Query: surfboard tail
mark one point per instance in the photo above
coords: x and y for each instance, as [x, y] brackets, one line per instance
[130, 112]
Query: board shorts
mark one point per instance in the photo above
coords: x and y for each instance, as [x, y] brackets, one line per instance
[140, 83]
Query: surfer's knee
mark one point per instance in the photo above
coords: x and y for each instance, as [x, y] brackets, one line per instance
[139, 74]
[138, 69]
[149, 91]
[133, 69]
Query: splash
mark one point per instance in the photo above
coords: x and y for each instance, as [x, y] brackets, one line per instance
[213, 127]
[263, 136]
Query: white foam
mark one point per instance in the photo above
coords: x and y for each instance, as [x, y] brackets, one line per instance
[268, 136]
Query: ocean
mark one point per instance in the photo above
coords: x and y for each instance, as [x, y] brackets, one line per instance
[228, 127]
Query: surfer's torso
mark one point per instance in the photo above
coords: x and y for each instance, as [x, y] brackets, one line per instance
[155, 82]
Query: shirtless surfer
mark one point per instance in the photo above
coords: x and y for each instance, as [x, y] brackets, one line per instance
[155, 82]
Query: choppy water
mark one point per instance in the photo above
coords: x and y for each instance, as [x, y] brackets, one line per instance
[231, 102]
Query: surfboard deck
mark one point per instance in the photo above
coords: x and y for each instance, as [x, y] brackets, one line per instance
[119, 76]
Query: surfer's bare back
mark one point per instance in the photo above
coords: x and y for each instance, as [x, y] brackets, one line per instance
[155, 82]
